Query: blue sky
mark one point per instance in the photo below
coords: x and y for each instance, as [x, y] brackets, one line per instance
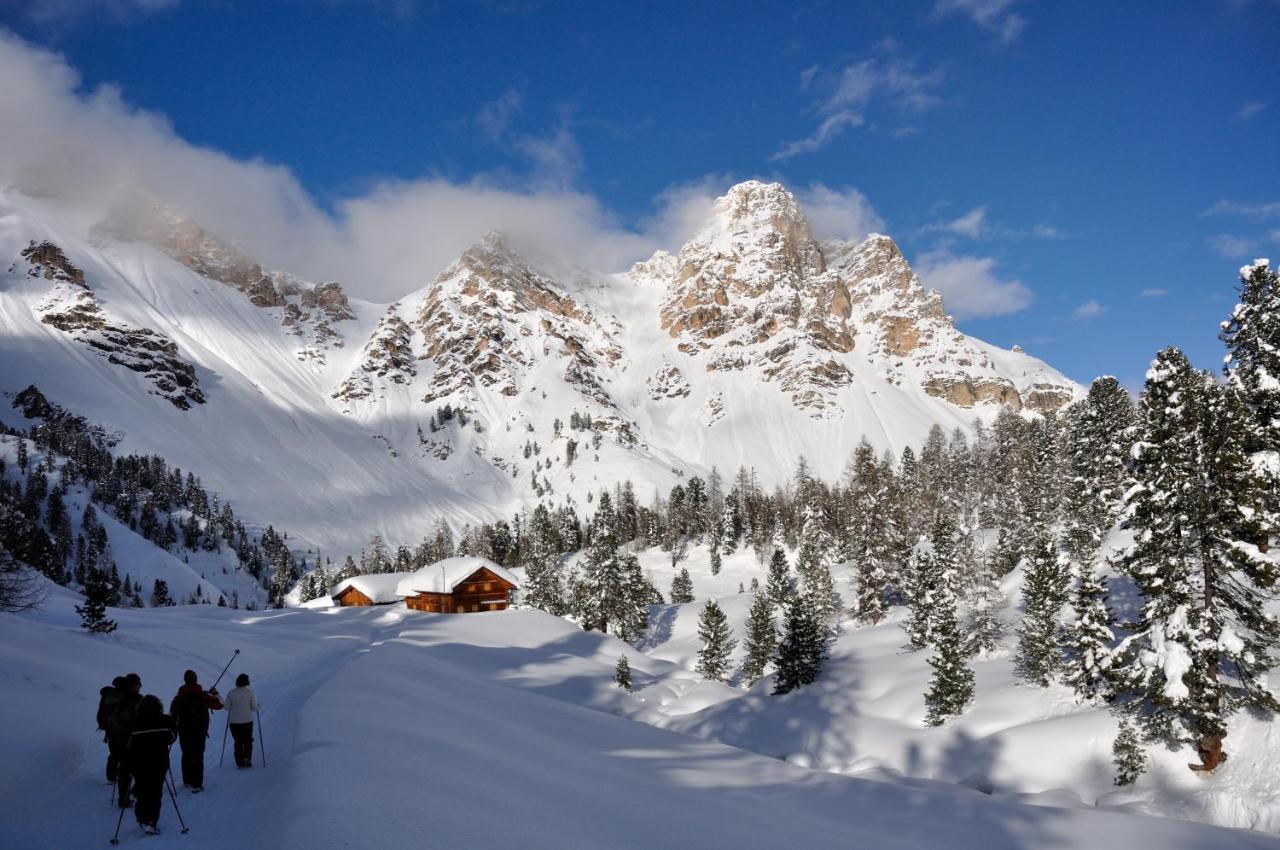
[1082, 179]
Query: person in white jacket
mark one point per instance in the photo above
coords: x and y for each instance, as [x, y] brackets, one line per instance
[242, 707]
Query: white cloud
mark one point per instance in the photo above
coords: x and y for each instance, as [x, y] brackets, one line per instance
[1252, 210]
[892, 83]
[995, 16]
[1231, 247]
[1154, 292]
[495, 117]
[838, 213]
[1090, 309]
[970, 287]
[1250, 109]
[62, 11]
[970, 225]
[831, 127]
[1274, 235]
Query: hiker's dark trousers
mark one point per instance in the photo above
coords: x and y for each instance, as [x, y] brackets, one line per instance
[243, 735]
[192, 742]
[148, 786]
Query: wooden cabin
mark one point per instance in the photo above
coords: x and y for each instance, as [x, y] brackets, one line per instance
[375, 589]
[459, 585]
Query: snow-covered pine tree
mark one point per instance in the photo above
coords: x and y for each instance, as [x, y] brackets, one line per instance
[682, 588]
[868, 528]
[717, 643]
[93, 613]
[920, 586]
[1098, 437]
[622, 674]
[714, 551]
[777, 585]
[985, 628]
[1198, 510]
[761, 639]
[1044, 592]
[543, 586]
[1089, 638]
[160, 597]
[1128, 755]
[802, 650]
[612, 595]
[813, 564]
[1252, 335]
[951, 687]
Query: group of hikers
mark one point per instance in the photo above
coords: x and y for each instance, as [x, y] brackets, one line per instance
[139, 734]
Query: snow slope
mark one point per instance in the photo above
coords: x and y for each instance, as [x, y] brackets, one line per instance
[395, 729]
[325, 415]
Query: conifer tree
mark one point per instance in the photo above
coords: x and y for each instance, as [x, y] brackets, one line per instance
[1098, 438]
[681, 588]
[1128, 754]
[985, 628]
[813, 560]
[1043, 595]
[160, 597]
[612, 595]
[717, 643]
[622, 673]
[714, 553]
[802, 650]
[1088, 644]
[921, 587]
[777, 586]
[951, 687]
[761, 639]
[1252, 336]
[93, 613]
[1197, 507]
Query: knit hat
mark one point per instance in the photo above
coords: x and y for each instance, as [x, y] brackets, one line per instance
[133, 679]
[242, 680]
[189, 677]
[118, 682]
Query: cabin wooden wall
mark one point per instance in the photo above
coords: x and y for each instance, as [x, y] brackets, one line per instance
[482, 591]
[352, 597]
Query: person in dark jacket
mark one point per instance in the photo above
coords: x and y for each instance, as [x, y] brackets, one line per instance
[148, 757]
[119, 726]
[107, 699]
[190, 709]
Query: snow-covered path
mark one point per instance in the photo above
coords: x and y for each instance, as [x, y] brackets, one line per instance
[387, 728]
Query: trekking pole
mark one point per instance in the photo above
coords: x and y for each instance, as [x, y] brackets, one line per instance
[115, 839]
[224, 670]
[174, 799]
[223, 756]
[262, 744]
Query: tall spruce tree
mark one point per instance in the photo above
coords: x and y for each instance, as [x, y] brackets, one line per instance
[682, 588]
[1044, 592]
[802, 650]
[921, 586]
[612, 595]
[93, 613]
[1089, 639]
[813, 564]
[777, 586]
[1098, 437]
[951, 686]
[717, 643]
[1198, 510]
[1252, 336]
[761, 639]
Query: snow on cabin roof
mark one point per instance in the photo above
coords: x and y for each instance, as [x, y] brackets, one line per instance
[381, 588]
[444, 576]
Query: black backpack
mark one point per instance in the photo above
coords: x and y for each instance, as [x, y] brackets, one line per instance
[109, 696]
[193, 712]
[121, 715]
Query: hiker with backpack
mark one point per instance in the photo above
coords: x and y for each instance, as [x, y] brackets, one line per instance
[148, 758]
[190, 709]
[107, 699]
[119, 724]
[242, 707]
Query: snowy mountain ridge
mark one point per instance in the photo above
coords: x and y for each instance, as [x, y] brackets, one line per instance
[751, 345]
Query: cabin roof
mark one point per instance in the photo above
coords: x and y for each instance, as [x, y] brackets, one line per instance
[444, 576]
[379, 587]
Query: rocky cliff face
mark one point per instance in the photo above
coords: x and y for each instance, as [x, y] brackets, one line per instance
[308, 311]
[754, 292]
[73, 308]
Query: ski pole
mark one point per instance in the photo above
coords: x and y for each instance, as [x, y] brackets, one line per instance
[115, 839]
[262, 744]
[224, 670]
[223, 757]
[174, 799]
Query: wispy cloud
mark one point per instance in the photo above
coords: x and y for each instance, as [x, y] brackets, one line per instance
[1090, 309]
[969, 225]
[68, 11]
[556, 155]
[970, 286]
[975, 224]
[495, 117]
[1154, 292]
[1230, 246]
[1258, 211]
[891, 83]
[995, 16]
[1250, 109]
